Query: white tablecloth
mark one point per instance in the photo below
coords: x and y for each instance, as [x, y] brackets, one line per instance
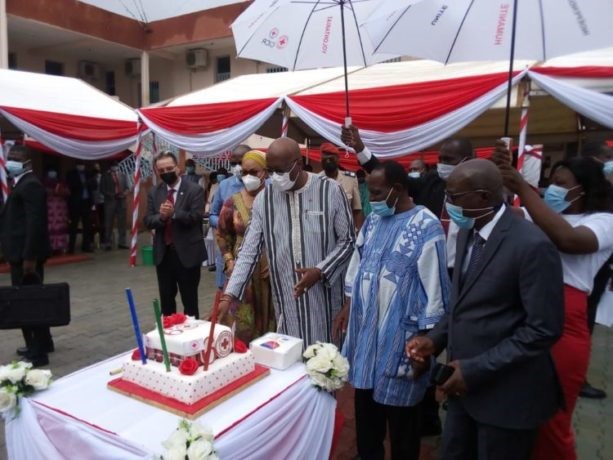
[280, 417]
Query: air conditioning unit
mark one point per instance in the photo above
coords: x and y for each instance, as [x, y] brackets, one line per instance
[89, 70]
[196, 58]
[132, 67]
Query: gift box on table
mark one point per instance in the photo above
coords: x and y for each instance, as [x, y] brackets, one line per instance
[276, 350]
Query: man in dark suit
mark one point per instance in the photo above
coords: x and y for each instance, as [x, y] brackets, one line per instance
[82, 185]
[115, 188]
[175, 214]
[506, 311]
[25, 242]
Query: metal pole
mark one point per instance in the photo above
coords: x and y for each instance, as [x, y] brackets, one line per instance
[342, 5]
[510, 82]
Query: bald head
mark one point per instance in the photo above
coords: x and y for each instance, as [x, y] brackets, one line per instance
[453, 151]
[478, 174]
[283, 148]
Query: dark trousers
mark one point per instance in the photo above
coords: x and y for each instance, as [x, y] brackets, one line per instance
[80, 212]
[466, 439]
[372, 420]
[115, 209]
[172, 275]
[37, 338]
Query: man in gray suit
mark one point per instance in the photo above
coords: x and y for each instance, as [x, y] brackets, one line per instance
[175, 214]
[115, 188]
[506, 311]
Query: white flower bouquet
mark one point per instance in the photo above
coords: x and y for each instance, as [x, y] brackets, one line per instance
[326, 367]
[190, 441]
[17, 380]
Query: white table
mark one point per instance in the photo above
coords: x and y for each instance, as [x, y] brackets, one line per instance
[280, 417]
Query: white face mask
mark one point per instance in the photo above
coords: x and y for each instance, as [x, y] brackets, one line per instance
[444, 170]
[236, 170]
[414, 174]
[283, 181]
[251, 183]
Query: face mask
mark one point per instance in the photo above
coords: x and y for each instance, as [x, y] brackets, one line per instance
[251, 183]
[236, 170]
[14, 168]
[608, 168]
[283, 181]
[414, 174]
[220, 177]
[80, 168]
[444, 170]
[381, 208]
[190, 169]
[169, 177]
[555, 197]
[52, 174]
[456, 214]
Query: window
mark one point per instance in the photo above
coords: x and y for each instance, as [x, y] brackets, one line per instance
[12, 60]
[223, 69]
[109, 82]
[276, 69]
[154, 93]
[54, 68]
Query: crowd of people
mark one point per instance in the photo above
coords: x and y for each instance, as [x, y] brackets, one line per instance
[396, 266]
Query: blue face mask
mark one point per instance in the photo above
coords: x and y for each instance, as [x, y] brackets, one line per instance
[456, 214]
[220, 177]
[608, 168]
[381, 208]
[555, 197]
[14, 168]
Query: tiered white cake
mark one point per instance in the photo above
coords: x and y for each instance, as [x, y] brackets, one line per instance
[188, 340]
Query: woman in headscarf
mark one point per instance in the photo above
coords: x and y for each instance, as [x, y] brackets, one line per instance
[254, 316]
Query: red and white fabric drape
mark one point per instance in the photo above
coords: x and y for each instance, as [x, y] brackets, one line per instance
[398, 119]
[84, 137]
[209, 129]
[4, 184]
[558, 82]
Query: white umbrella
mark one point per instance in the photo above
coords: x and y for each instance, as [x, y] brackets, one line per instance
[473, 30]
[306, 34]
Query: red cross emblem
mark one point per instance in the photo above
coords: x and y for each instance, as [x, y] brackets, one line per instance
[225, 343]
[282, 43]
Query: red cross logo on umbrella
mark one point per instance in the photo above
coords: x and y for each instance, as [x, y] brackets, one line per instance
[282, 43]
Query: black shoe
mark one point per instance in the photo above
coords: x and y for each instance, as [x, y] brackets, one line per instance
[588, 391]
[123, 246]
[212, 268]
[38, 361]
[23, 351]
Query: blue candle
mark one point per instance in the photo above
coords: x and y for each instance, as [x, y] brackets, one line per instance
[139, 336]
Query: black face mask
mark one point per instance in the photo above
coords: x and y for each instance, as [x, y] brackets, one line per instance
[330, 167]
[169, 177]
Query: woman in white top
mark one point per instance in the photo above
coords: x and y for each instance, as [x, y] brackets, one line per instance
[574, 214]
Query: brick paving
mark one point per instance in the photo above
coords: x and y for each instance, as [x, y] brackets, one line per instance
[101, 328]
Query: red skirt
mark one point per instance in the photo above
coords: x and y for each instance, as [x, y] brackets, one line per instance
[571, 355]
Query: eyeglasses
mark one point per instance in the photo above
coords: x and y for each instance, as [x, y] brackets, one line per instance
[452, 197]
[282, 171]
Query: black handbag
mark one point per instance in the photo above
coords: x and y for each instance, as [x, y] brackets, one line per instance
[34, 305]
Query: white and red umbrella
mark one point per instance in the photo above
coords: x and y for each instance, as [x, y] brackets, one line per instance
[476, 30]
[307, 34]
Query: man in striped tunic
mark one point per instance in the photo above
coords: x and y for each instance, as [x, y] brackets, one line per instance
[304, 223]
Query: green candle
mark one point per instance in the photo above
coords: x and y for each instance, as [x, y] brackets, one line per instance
[158, 321]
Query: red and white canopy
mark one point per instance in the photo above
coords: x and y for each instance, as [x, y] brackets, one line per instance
[66, 114]
[400, 107]
[218, 118]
